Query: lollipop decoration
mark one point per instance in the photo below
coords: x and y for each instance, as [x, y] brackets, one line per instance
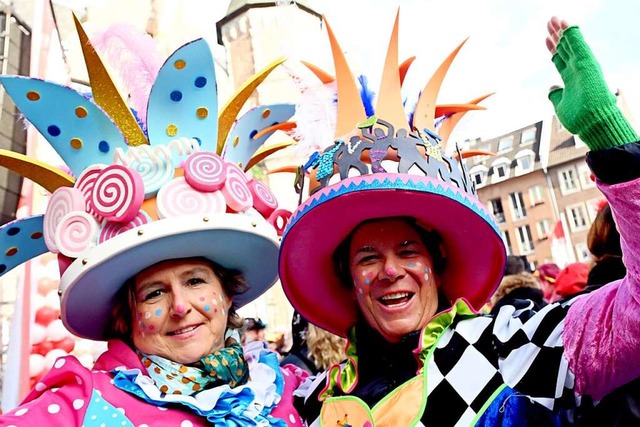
[118, 193]
[76, 233]
[85, 183]
[235, 190]
[178, 198]
[111, 228]
[264, 200]
[205, 171]
[63, 201]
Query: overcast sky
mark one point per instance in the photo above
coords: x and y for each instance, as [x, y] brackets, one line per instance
[505, 52]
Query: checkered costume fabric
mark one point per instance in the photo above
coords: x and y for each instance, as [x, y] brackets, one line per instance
[479, 361]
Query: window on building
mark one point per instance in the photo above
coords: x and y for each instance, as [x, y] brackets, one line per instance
[543, 227]
[582, 252]
[577, 217]
[528, 136]
[517, 206]
[505, 143]
[496, 209]
[501, 169]
[584, 174]
[479, 175]
[536, 195]
[568, 180]
[524, 162]
[525, 242]
[507, 242]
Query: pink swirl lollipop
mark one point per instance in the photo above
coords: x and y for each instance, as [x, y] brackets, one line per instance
[76, 233]
[235, 190]
[279, 220]
[118, 193]
[85, 183]
[178, 198]
[205, 171]
[111, 229]
[62, 201]
[264, 200]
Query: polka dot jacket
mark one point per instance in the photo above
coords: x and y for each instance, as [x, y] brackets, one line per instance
[72, 395]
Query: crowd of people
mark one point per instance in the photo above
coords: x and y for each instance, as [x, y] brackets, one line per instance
[388, 270]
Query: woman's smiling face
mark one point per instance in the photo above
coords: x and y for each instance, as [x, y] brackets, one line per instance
[180, 310]
[393, 277]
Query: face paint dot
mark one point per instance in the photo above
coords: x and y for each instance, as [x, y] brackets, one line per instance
[201, 298]
[367, 281]
[200, 81]
[176, 96]
[103, 146]
[360, 291]
[202, 113]
[158, 312]
[179, 64]
[76, 143]
[419, 264]
[411, 265]
[426, 277]
[151, 327]
[53, 130]
[143, 325]
[172, 130]
[147, 315]
[207, 308]
[81, 112]
[33, 95]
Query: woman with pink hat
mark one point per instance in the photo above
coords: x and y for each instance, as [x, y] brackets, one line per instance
[398, 260]
[161, 236]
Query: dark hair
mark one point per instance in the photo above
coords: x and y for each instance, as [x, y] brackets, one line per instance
[120, 327]
[603, 239]
[431, 240]
[251, 324]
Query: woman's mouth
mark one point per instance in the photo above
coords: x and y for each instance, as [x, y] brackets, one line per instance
[395, 299]
[183, 331]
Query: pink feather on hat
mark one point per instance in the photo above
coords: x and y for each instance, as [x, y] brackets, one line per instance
[135, 55]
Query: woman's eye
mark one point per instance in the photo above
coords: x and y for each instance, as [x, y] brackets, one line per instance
[367, 259]
[195, 281]
[151, 295]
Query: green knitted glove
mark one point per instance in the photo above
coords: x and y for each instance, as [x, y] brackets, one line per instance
[585, 106]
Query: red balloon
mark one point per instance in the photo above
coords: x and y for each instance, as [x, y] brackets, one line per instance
[43, 348]
[46, 315]
[67, 344]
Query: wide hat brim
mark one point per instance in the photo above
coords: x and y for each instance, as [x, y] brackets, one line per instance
[475, 253]
[234, 241]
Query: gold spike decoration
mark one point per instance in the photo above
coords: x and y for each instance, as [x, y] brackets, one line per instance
[230, 111]
[49, 177]
[105, 93]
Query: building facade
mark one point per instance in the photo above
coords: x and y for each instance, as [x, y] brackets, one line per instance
[540, 191]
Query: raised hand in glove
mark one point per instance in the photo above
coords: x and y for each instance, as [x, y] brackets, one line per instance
[585, 106]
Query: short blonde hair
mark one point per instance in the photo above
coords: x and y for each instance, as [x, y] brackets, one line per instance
[324, 348]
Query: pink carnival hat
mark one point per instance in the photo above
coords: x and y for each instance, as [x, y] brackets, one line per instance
[400, 170]
[170, 183]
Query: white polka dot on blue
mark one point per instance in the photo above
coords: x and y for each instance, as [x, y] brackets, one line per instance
[101, 413]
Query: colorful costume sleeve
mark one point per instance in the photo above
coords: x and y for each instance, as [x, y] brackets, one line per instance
[602, 333]
[60, 398]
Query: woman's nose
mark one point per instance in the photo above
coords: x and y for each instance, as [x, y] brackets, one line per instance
[180, 306]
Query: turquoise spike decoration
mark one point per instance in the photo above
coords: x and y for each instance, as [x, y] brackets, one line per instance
[79, 130]
[184, 98]
[20, 241]
[241, 143]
